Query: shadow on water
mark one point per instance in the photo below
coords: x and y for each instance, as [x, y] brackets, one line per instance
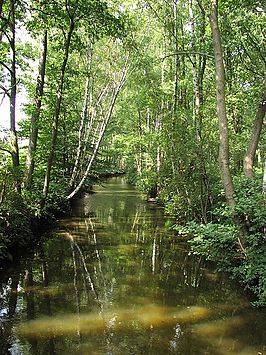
[114, 280]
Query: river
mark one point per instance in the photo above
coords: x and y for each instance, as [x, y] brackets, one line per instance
[113, 279]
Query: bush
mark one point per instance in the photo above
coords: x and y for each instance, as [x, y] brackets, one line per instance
[16, 219]
[218, 241]
[4, 242]
[147, 182]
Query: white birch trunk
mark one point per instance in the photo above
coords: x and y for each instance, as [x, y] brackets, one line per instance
[102, 130]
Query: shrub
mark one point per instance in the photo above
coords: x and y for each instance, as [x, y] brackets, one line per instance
[218, 241]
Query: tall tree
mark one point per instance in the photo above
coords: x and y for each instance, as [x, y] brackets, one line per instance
[85, 126]
[221, 107]
[96, 19]
[59, 97]
[99, 132]
[11, 67]
[30, 160]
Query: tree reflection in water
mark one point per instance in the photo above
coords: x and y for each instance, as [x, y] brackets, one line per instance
[115, 280]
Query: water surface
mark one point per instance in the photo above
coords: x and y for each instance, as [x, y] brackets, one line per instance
[114, 280]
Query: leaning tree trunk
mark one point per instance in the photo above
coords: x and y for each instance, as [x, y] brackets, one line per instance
[221, 107]
[249, 157]
[83, 115]
[30, 160]
[96, 144]
[57, 110]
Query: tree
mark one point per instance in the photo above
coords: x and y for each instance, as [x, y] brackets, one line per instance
[58, 103]
[9, 66]
[255, 136]
[30, 160]
[221, 107]
[115, 89]
[99, 21]
[264, 180]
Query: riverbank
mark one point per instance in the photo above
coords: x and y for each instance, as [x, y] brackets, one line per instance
[116, 274]
[24, 219]
[215, 234]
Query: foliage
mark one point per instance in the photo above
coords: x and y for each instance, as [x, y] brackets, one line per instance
[147, 182]
[161, 129]
[4, 243]
[55, 206]
[251, 272]
[218, 241]
[15, 222]
[251, 203]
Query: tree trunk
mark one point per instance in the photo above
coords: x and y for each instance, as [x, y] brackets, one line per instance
[96, 144]
[264, 180]
[30, 160]
[248, 163]
[176, 59]
[1, 6]
[13, 92]
[83, 116]
[96, 148]
[223, 126]
[196, 88]
[57, 110]
[221, 107]
[198, 69]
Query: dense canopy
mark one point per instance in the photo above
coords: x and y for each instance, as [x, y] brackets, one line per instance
[170, 92]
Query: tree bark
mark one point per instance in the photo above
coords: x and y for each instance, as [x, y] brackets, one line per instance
[96, 144]
[249, 157]
[194, 70]
[57, 110]
[1, 6]
[13, 92]
[30, 159]
[198, 69]
[223, 125]
[96, 148]
[221, 107]
[83, 116]
[264, 180]
[176, 59]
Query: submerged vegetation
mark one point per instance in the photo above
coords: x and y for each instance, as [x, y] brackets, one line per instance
[172, 93]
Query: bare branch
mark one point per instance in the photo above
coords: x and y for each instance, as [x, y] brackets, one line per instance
[6, 150]
[6, 66]
[4, 93]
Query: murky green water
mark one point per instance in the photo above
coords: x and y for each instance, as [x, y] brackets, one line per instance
[114, 280]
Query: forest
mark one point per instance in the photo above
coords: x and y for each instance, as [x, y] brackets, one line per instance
[171, 93]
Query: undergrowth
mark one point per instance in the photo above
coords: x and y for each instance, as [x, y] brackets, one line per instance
[218, 240]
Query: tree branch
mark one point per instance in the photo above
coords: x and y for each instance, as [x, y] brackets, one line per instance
[6, 66]
[4, 93]
[6, 150]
